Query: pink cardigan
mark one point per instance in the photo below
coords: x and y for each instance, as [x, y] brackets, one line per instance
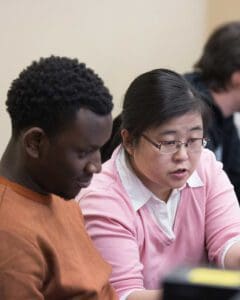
[134, 244]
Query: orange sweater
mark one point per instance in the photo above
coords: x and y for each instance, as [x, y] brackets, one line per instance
[45, 252]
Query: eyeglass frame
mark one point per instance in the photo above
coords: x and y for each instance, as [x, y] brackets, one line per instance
[177, 145]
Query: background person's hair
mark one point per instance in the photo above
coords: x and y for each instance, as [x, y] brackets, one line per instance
[48, 94]
[221, 56]
[155, 97]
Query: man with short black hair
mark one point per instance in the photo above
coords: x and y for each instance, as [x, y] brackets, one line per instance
[217, 78]
[61, 115]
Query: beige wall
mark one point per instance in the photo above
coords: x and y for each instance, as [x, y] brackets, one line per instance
[221, 11]
[119, 39]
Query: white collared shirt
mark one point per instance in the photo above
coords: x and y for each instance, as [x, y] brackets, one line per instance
[163, 212]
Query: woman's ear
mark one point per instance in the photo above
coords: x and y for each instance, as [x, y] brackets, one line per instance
[127, 141]
[33, 140]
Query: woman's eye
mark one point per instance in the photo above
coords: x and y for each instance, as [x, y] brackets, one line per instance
[169, 143]
[193, 140]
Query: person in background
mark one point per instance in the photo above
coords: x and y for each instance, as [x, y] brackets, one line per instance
[61, 115]
[161, 201]
[217, 78]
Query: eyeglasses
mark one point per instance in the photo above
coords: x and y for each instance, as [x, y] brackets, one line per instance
[167, 147]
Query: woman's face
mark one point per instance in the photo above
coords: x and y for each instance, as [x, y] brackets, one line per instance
[162, 172]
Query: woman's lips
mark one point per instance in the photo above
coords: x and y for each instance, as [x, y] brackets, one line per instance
[179, 174]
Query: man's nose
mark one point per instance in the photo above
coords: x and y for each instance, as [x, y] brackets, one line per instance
[94, 164]
[93, 167]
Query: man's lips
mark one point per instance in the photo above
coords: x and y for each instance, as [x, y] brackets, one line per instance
[84, 182]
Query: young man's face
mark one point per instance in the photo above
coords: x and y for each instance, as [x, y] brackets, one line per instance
[70, 159]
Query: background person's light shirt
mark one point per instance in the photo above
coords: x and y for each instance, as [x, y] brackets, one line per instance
[218, 153]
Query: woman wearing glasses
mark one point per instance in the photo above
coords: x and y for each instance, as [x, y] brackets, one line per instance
[162, 200]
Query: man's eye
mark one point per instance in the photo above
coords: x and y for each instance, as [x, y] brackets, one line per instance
[82, 154]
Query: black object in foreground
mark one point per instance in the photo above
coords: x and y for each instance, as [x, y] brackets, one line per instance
[202, 283]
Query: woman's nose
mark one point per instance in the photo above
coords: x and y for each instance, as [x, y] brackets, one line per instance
[181, 153]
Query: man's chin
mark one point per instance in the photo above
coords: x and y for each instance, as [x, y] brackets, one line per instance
[74, 191]
[68, 196]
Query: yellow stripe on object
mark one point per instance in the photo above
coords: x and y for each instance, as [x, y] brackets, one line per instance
[214, 277]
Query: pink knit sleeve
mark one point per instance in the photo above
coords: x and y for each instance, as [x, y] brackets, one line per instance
[222, 218]
[111, 224]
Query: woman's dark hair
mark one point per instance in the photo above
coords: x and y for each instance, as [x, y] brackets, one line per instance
[49, 93]
[221, 56]
[154, 98]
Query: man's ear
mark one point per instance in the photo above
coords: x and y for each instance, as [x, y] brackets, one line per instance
[127, 141]
[235, 79]
[33, 140]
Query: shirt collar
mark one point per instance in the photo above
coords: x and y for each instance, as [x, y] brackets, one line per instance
[138, 193]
